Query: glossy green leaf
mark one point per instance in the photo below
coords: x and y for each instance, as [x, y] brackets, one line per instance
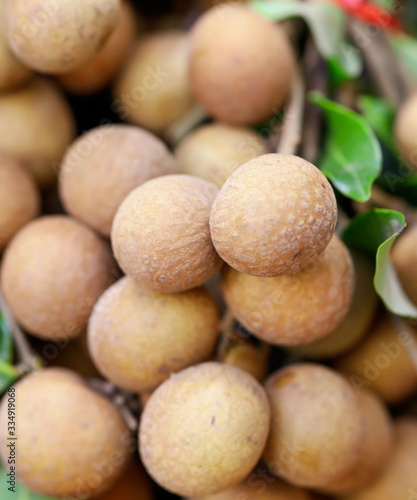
[380, 114]
[20, 493]
[8, 375]
[6, 340]
[374, 232]
[352, 157]
[327, 24]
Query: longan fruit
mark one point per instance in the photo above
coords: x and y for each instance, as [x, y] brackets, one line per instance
[294, 309]
[52, 273]
[274, 215]
[104, 165]
[204, 429]
[59, 37]
[317, 425]
[19, 199]
[357, 321]
[100, 71]
[71, 442]
[153, 89]
[13, 73]
[399, 479]
[382, 363]
[260, 489]
[166, 332]
[241, 64]
[214, 151]
[36, 126]
[377, 448]
[160, 234]
[404, 131]
[404, 259]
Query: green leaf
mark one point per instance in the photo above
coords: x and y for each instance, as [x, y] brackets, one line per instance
[405, 48]
[8, 375]
[327, 24]
[374, 232]
[352, 157]
[20, 493]
[6, 340]
[380, 114]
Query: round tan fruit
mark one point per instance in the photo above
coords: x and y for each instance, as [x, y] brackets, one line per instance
[72, 443]
[404, 258]
[60, 36]
[274, 215]
[19, 199]
[52, 274]
[405, 135]
[160, 234]
[153, 89]
[382, 363]
[399, 479]
[36, 126]
[294, 309]
[213, 152]
[377, 448]
[357, 321]
[241, 64]
[317, 426]
[204, 429]
[100, 71]
[104, 165]
[137, 338]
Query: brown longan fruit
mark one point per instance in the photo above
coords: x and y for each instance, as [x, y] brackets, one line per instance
[214, 151]
[166, 332]
[71, 442]
[404, 258]
[294, 309]
[59, 37]
[399, 479]
[204, 429]
[404, 131]
[357, 321]
[104, 165]
[382, 363]
[36, 126]
[274, 215]
[317, 426]
[13, 73]
[100, 71]
[52, 273]
[377, 447]
[19, 199]
[153, 89]
[241, 64]
[160, 234]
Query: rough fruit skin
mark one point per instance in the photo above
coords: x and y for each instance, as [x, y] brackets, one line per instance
[381, 362]
[19, 199]
[104, 165]
[160, 234]
[137, 338]
[274, 215]
[100, 71]
[56, 414]
[241, 65]
[405, 131]
[404, 258]
[399, 479]
[153, 90]
[204, 429]
[213, 152]
[317, 426]
[36, 126]
[52, 273]
[294, 309]
[61, 37]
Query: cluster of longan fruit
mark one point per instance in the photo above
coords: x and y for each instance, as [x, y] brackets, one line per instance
[155, 241]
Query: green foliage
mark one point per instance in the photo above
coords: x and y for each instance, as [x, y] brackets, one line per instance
[405, 48]
[380, 114]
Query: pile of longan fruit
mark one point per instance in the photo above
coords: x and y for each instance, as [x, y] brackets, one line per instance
[122, 248]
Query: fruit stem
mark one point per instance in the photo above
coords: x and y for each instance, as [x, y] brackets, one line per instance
[26, 357]
[182, 127]
[292, 127]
